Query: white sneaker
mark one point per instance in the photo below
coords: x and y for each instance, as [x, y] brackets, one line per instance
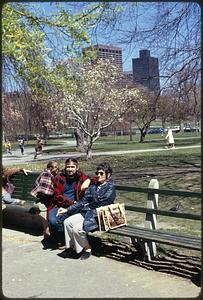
[20, 202]
[3, 206]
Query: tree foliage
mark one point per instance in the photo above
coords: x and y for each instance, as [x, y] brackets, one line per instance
[145, 111]
[34, 39]
[95, 99]
[36, 43]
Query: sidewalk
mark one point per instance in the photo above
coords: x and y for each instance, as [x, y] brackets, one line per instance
[28, 271]
[9, 160]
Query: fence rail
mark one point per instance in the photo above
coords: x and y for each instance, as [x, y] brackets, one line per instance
[162, 212]
[158, 191]
[151, 210]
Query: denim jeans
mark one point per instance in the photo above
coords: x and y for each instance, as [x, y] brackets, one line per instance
[6, 198]
[56, 223]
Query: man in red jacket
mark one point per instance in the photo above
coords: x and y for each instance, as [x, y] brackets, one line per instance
[69, 186]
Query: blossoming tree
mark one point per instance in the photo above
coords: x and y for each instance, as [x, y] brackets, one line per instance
[94, 99]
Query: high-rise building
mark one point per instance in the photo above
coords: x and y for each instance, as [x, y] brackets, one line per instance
[114, 54]
[146, 71]
[128, 74]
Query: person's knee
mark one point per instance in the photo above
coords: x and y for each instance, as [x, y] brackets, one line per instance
[67, 223]
[52, 221]
[52, 218]
[78, 229]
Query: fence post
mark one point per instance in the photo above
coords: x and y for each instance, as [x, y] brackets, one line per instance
[151, 219]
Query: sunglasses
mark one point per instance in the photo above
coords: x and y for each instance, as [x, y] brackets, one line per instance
[100, 173]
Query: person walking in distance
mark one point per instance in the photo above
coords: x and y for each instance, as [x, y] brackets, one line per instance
[170, 139]
[21, 143]
[38, 147]
[8, 147]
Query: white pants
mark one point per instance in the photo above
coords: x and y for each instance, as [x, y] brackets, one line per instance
[75, 236]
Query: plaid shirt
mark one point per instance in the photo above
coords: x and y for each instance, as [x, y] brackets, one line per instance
[43, 184]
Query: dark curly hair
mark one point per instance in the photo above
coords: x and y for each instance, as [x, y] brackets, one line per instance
[105, 166]
[71, 159]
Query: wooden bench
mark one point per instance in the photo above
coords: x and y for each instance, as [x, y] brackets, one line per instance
[145, 236]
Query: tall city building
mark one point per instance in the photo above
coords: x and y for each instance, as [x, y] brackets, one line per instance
[114, 54]
[146, 71]
[128, 74]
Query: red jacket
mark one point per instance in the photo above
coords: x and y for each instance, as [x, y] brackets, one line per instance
[59, 184]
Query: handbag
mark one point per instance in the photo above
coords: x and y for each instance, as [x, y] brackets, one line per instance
[111, 216]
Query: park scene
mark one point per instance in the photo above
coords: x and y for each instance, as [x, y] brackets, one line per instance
[102, 101]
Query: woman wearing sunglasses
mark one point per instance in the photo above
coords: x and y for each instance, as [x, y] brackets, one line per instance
[82, 216]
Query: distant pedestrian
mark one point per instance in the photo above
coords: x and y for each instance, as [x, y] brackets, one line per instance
[38, 147]
[21, 143]
[170, 139]
[8, 147]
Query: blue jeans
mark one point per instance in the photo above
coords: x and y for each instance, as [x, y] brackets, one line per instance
[56, 223]
[6, 198]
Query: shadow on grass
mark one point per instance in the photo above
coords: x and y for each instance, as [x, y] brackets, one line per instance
[169, 261]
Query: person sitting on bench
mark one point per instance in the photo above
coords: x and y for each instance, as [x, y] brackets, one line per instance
[81, 217]
[43, 190]
[69, 186]
[8, 187]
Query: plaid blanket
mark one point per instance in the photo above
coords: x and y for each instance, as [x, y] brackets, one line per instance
[43, 184]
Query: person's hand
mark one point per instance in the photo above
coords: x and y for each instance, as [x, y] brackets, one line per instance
[26, 171]
[61, 211]
[85, 184]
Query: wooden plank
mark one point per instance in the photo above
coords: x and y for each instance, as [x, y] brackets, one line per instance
[159, 191]
[162, 212]
[185, 242]
[165, 235]
[151, 218]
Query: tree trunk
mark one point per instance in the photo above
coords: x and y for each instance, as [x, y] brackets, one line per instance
[163, 121]
[142, 136]
[44, 132]
[197, 126]
[89, 153]
[89, 148]
[3, 137]
[131, 134]
[79, 136]
[181, 124]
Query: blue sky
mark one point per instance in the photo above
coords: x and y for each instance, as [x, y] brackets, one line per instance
[129, 51]
[142, 20]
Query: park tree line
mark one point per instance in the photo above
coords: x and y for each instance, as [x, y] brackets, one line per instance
[50, 94]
